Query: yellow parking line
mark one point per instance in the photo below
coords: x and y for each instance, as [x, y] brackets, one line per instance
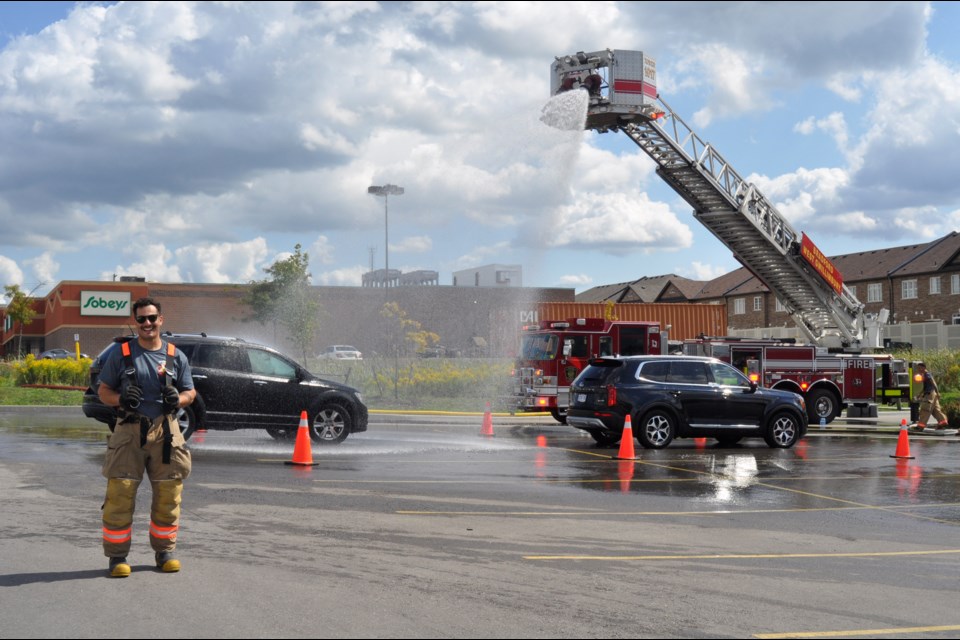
[858, 632]
[749, 556]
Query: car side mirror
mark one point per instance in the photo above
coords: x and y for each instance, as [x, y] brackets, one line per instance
[753, 387]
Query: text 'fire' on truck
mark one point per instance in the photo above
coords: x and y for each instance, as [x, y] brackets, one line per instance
[621, 94]
[553, 353]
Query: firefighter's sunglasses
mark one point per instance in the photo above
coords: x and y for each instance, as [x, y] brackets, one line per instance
[150, 318]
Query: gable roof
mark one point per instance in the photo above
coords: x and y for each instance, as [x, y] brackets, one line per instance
[669, 287]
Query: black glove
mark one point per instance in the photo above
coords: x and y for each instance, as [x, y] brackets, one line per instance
[171, 399]
[130, 397]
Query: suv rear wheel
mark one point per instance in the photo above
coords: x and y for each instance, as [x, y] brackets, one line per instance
[657, 429]
[331, 425]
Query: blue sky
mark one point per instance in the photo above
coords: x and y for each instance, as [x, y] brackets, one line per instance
[199, 142]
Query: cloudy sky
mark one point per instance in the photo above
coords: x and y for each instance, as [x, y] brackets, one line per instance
[200, 142]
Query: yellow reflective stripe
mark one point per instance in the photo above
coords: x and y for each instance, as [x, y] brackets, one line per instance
[117, 535]
[163, 532]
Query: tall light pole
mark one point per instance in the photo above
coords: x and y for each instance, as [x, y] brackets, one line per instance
[386, 191]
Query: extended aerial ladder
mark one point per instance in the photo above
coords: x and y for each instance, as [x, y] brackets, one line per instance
[623, 97]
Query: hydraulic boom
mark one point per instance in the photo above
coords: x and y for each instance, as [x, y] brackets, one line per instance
[623, 97]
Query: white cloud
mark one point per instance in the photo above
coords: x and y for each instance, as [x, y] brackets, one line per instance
[321, 251]
[154, 262]
[413, 244]
[617, 223]
[222, 262]
[578, 281]
[44, 268]
[346, 277]
[10, 273]
[701, 271]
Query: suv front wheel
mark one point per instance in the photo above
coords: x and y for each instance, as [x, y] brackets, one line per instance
[331, 424]
[783, 432]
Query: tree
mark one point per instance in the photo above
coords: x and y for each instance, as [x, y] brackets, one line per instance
[287, 300]
[19, 309]
[403, 333]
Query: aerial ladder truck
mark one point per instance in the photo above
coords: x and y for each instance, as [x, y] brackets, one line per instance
[622, 90]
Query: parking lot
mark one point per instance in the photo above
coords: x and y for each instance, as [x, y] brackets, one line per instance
[422, 527]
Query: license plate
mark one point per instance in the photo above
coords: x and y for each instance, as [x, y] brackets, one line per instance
[581, 397]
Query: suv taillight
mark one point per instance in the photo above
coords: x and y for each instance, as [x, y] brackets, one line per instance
[611, 395]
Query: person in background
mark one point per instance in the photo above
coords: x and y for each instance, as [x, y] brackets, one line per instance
[929, 400]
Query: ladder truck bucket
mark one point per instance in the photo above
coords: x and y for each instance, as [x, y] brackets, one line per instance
[621, 86]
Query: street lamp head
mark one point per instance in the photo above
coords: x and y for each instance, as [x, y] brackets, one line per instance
[385, 190]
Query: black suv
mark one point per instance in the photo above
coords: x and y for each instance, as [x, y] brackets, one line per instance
[671, 397]
[243, 385]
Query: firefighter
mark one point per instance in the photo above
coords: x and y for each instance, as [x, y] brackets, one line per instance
[148, 380]
[929, 400]
[592, 84]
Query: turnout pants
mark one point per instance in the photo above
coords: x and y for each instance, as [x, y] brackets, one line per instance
[930, 405]
[136, 446]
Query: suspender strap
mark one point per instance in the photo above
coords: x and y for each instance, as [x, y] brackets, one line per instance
[167, 434]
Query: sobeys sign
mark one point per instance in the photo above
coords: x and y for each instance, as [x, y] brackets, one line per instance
[105, 303]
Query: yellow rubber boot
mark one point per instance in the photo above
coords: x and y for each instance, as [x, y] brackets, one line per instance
[167, 563]
[119, 568]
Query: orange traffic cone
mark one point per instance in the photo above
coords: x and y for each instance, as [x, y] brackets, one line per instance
[487, 428]
[903, 444]
[626, 441]
[302, 455]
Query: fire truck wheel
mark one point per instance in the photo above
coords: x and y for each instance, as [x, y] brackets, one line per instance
[560, 415]
[783, 432]
[606, 438]
[657, 429]
[821, 403]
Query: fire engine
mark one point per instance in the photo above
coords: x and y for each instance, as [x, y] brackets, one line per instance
[828, 381]
[552, 354]
[621, 95]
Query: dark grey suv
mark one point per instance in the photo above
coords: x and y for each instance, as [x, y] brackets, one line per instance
[671, 397]
[244, 385]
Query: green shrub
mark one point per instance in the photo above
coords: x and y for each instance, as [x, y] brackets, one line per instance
[950, 403]
[70, 372]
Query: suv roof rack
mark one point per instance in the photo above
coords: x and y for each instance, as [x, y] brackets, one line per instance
[202, 334]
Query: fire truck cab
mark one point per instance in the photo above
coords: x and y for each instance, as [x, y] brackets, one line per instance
[552, 353]
[828, 381]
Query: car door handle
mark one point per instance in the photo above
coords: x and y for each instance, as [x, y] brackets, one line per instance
[260, 382]
[201, 377]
